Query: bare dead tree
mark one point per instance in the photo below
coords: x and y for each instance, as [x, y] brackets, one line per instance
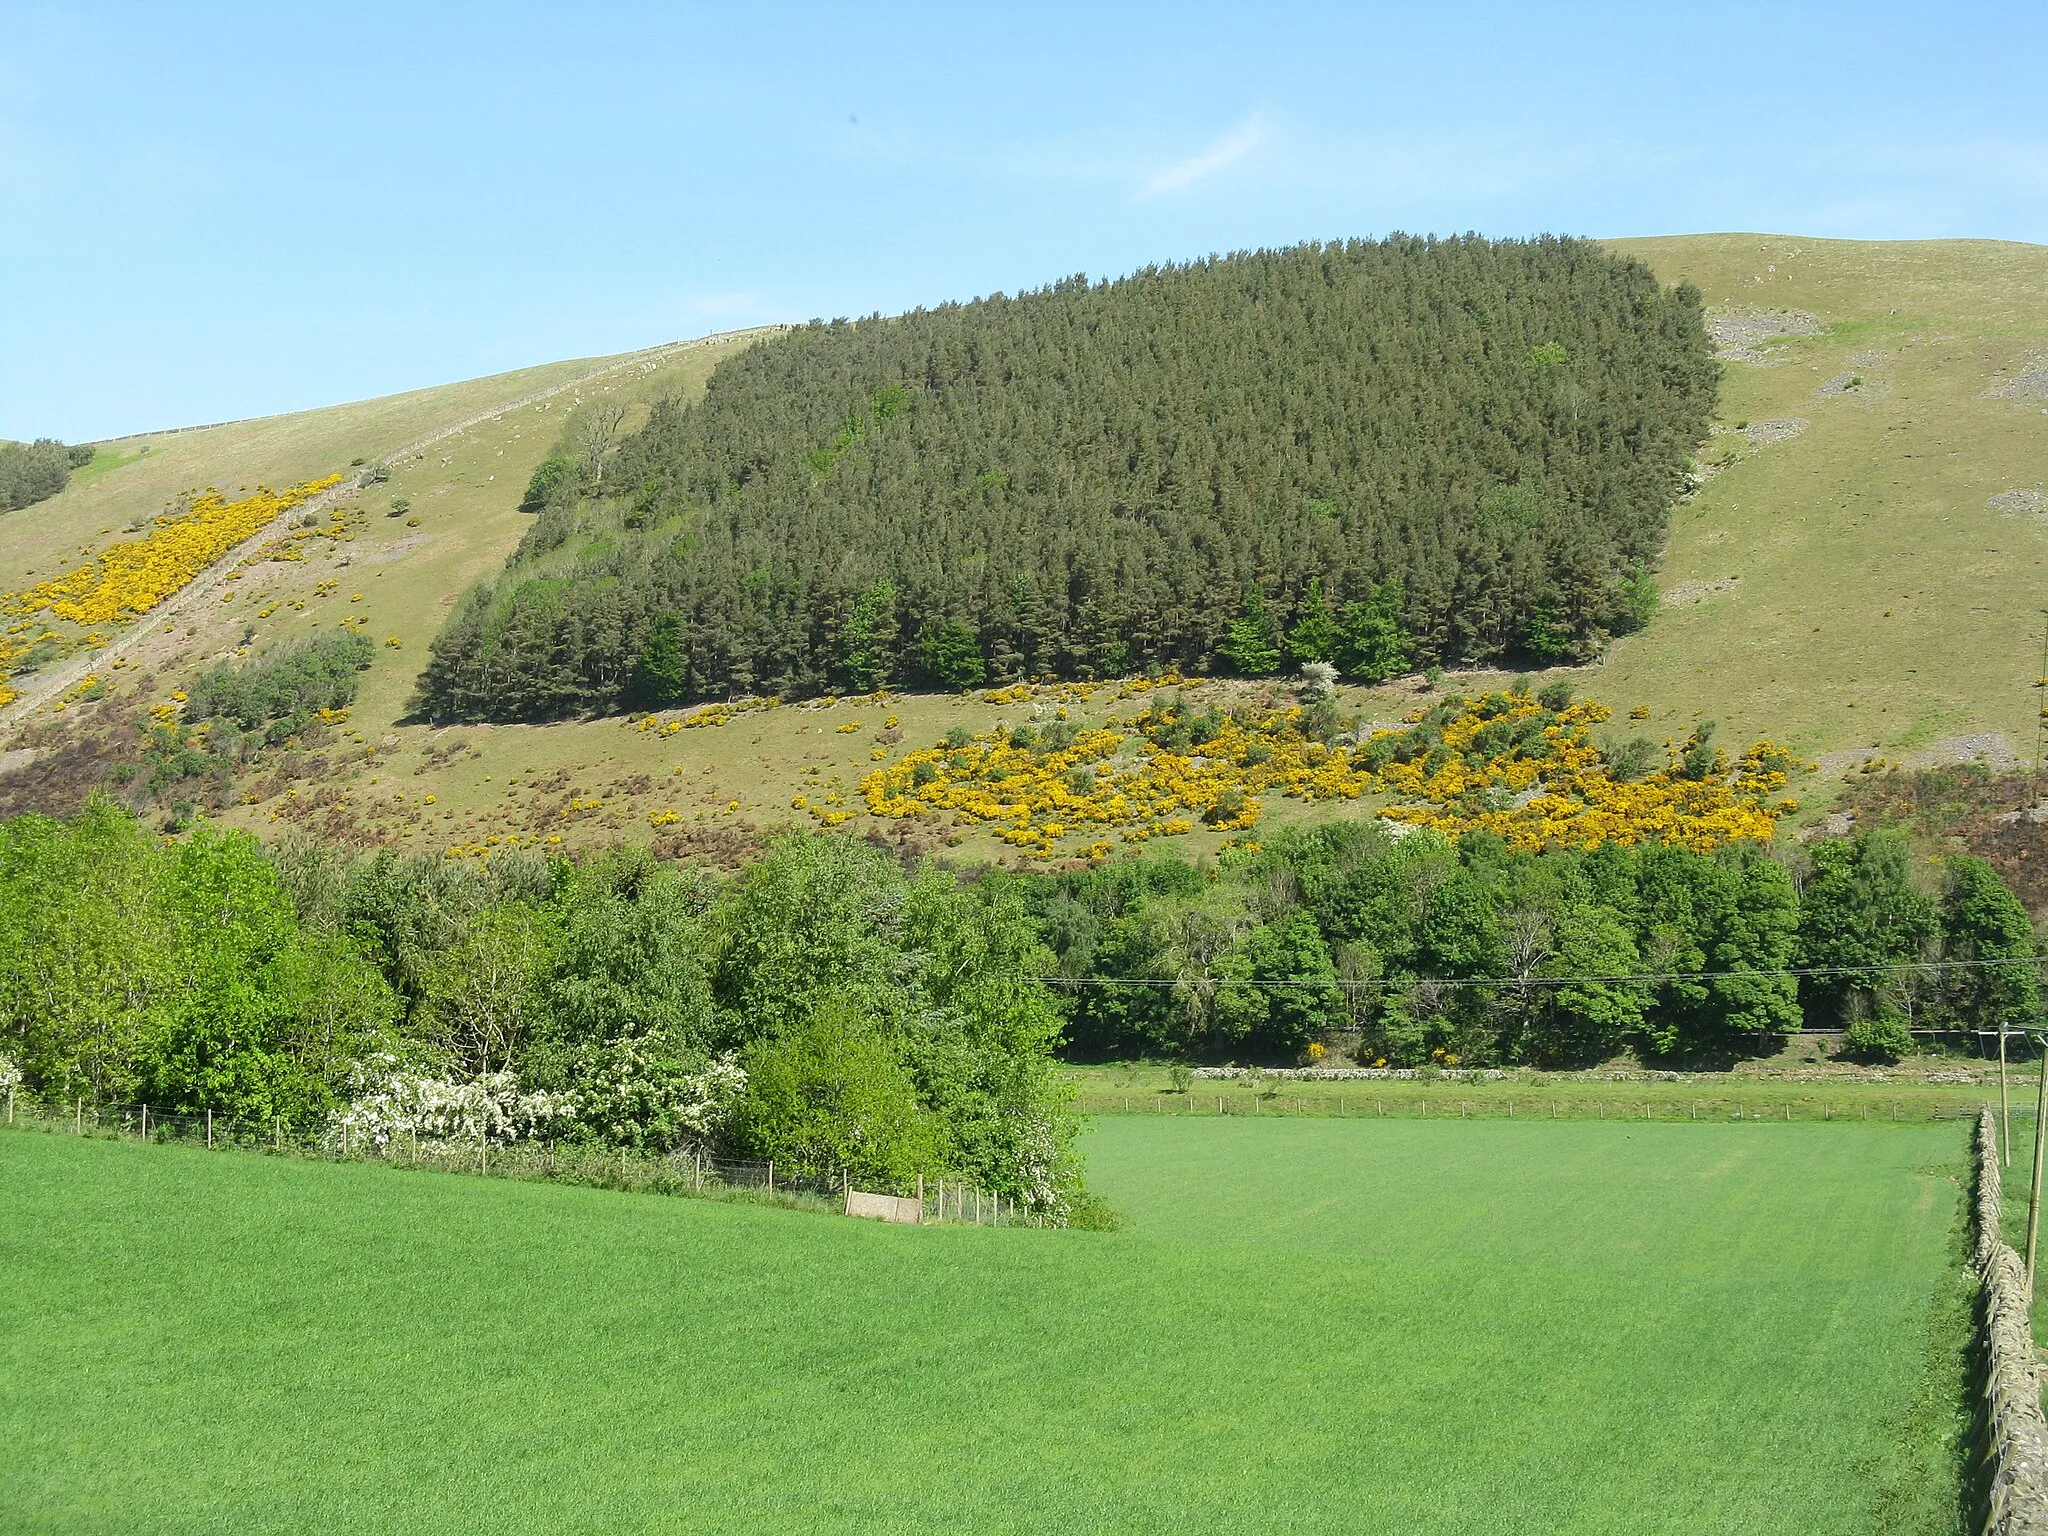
[600, 432]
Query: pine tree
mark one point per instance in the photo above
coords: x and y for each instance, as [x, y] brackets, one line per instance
[1086, 476]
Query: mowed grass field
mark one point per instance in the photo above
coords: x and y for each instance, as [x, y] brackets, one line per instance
[1304, 1325]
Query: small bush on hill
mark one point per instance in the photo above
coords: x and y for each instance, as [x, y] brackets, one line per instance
[1883, 1037]
[280, 692]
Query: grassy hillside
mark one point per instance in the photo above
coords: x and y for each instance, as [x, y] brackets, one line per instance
[1305, 1326]
[1841, 580]
[1852, 589]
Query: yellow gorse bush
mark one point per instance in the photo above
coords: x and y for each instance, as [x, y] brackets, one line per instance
[1553, 787]
[1502, 763]
[133, 576]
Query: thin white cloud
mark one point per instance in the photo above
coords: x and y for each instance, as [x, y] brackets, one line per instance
[1225, 152]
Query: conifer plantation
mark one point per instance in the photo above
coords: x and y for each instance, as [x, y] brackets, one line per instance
[1379, 454]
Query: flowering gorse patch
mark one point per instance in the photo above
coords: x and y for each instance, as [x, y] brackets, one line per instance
[1502, 762]
[133, 576]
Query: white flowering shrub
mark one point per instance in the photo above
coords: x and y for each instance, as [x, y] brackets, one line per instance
[491, 1108]
[634, 1095]
[1318, 681]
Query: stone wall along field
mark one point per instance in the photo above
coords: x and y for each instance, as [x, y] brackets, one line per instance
[2018, 1433]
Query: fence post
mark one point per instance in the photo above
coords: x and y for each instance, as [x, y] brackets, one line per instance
[920, 1198]
[10, 1103]
[145, 1122]
[771, 1175]
[277, 1135]
[78, 1126]
[209, 1130]
[2004, 1099]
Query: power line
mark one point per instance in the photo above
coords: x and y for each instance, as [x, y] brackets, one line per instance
[1376, 983]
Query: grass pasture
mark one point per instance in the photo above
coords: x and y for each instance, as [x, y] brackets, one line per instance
[1306, 1324]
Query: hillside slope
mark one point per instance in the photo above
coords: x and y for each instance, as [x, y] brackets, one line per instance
[1841, 581]
[1862, 574]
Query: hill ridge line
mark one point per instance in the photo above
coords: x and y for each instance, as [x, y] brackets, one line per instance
[76, 668]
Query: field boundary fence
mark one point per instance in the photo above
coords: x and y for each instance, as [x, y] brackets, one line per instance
[689, 1172]
[1449, 1104]
[2014, 1427]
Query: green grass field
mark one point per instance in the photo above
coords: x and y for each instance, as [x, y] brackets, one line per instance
[1304, 1325]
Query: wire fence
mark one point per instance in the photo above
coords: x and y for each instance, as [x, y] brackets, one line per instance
[683, 1171]
[1450, 1105]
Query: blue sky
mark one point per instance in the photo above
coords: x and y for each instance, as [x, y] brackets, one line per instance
[212, 212]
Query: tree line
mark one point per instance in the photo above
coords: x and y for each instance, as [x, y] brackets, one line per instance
[1376, 454]
[822, 1008]
[1471, 952]
[33, 472]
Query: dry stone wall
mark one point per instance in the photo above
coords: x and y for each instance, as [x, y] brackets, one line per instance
[2017, 1431]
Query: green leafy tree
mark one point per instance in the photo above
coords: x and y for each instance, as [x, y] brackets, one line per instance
[952, 656]
[1861, 913]
[1984, 924]
[828, 1093]
[549, 476]
[482, 1001]
[1372, 646]
[1298, 990]
[1544, 636]
[1314, 636]
[1586, 1018]
[1252, 649]
[662, 674]
[867, 641]
[1880, 1037]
